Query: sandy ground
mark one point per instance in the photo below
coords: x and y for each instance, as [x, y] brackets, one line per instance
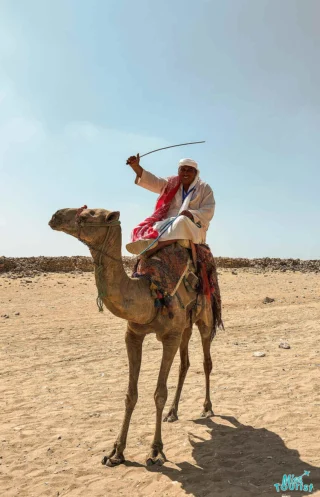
[64, 374]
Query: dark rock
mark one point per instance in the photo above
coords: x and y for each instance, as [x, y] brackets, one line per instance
[268, 300]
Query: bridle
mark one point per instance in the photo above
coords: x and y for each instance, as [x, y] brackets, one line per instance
[98, 266]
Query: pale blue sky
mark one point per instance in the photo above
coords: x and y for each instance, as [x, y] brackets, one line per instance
[84, 84]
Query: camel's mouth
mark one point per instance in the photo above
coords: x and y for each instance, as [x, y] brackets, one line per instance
[63, 220]
[55, 222]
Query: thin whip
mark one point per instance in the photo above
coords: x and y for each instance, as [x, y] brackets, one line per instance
[171, 146]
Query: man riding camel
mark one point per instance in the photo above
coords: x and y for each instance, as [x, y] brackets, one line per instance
[183, 211]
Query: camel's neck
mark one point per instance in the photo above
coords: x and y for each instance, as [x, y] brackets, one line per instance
[128, 298]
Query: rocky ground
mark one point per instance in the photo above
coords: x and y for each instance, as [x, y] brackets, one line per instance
[31, 266]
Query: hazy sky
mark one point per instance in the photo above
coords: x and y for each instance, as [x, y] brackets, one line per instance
[84, 84]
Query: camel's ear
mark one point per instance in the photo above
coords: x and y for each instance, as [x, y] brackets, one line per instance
[113, 216]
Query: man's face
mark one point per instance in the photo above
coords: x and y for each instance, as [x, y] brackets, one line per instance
[187, 175]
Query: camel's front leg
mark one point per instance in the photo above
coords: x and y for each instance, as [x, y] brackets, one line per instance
[134, 351]
[170, 344]
[184, 366]
[207, 365]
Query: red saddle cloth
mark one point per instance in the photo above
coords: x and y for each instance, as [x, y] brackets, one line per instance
[209, 285]
[165, 271]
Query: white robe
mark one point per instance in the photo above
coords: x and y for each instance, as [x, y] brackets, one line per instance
[200, 204]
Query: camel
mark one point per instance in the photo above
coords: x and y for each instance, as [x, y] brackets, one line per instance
[130, 299]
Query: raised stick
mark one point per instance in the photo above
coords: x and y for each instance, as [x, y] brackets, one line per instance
[171, 146]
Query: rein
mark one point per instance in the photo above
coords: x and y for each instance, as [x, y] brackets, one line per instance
[99, 267]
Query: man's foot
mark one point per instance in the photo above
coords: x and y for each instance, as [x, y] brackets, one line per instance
[139, 246]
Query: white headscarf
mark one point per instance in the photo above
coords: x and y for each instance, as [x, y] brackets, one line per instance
[189, 162]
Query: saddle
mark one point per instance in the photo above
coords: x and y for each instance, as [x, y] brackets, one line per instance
[183, 270]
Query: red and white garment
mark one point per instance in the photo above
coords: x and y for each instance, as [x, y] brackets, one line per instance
[199, 202]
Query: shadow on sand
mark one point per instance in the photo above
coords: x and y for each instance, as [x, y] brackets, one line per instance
[239, 460]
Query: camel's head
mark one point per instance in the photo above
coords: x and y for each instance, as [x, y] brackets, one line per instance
[89, 225]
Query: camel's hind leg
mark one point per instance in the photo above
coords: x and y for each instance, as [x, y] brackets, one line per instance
[170, 343]
[134, 351]
[205, 333]
[184, 366]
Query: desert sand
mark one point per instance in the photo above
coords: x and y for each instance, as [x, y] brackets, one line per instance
[64, 375]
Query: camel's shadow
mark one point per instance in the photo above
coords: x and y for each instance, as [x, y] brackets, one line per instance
[240, 460]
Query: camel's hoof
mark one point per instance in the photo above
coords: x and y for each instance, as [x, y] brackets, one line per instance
[156, 460]
[207, 414]
[112, 461]
[171, 417]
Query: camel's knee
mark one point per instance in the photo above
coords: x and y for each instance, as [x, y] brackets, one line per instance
[160, 397]
[131, 400]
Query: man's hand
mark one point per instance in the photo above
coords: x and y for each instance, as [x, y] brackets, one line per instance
[134, 161]
[187, 214]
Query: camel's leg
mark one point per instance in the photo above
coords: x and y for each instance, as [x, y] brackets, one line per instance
[184, 366]
[205, 333]
[170, 345]
[134, 351]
